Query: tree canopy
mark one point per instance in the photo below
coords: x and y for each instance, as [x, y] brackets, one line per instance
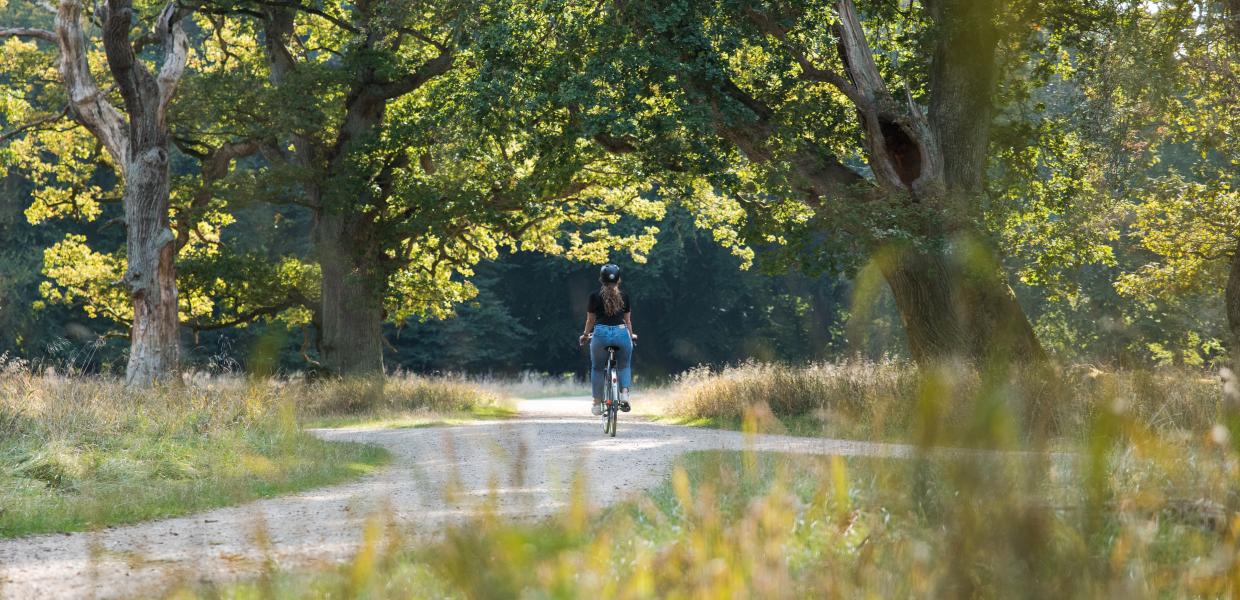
[1024, 178]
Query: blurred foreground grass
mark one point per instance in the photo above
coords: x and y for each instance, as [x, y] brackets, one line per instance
[77, 453]
[1140, 500]
[728, 524]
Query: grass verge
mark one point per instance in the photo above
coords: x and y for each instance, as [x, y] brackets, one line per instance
[401, 401]
[412, 419]
[530, 384]
[81, 453]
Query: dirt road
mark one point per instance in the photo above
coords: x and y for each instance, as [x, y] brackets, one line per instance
[438, 476]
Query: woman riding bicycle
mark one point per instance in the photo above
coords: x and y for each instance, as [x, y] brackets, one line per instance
[608, 323]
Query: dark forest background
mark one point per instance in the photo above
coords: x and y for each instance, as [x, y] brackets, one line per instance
[692, 305]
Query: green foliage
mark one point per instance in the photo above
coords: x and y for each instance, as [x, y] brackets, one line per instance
[577, 132]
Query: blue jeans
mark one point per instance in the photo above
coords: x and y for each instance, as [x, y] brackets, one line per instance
[604, 336]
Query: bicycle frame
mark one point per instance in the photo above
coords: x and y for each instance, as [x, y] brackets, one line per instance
[611, 392]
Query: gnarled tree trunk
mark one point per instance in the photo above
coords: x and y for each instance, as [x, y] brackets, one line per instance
[952, 296]
[151, 273]
[953, 309]
[950, 290]
[137, 142]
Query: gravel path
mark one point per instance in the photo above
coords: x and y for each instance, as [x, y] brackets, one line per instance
[438, 476]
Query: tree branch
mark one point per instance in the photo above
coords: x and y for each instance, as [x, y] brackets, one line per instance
[64, 112]
[88, 105]
[28, 32]
[441, 46]
[823, 175]
[857, 57]
[169, 30]
[277, 29]
[245, 317]
[214, 167]
[345, 25]
[428, 70]
[614, 144]
[809, 71]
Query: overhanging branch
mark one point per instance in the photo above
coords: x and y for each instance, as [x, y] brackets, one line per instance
[28, 32]
[425, 72]
[35, 124]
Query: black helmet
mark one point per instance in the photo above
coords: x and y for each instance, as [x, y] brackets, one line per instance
[609, 274]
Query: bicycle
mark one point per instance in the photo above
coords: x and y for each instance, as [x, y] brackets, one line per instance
[611, 390]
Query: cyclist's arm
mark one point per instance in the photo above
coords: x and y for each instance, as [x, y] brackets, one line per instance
[589, 324]
[628, 322]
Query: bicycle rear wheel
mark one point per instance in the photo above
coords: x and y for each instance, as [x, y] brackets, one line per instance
[613, 407]
[607, 402]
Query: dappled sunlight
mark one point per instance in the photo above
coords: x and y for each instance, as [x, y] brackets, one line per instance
[913, 299]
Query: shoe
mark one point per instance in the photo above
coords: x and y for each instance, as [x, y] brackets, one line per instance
[624, 401]
[597, 409]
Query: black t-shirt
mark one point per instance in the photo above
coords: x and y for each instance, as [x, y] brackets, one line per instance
[600, 314]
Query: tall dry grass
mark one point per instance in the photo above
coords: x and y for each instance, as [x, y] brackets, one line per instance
[402, 393]
[531, 384]
[886, 400]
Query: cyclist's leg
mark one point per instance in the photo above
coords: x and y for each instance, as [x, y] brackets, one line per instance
[624, 362]
[598, 364]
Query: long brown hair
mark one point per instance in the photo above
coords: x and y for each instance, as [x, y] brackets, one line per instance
[613, 303]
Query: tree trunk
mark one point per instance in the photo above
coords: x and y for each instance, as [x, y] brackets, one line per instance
[352, 289]
[953, 303]
[956, 307]
[920, 285]
[347, 210]
[151, 274]
[1231, 303]
[150, 242]
[138, 144]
